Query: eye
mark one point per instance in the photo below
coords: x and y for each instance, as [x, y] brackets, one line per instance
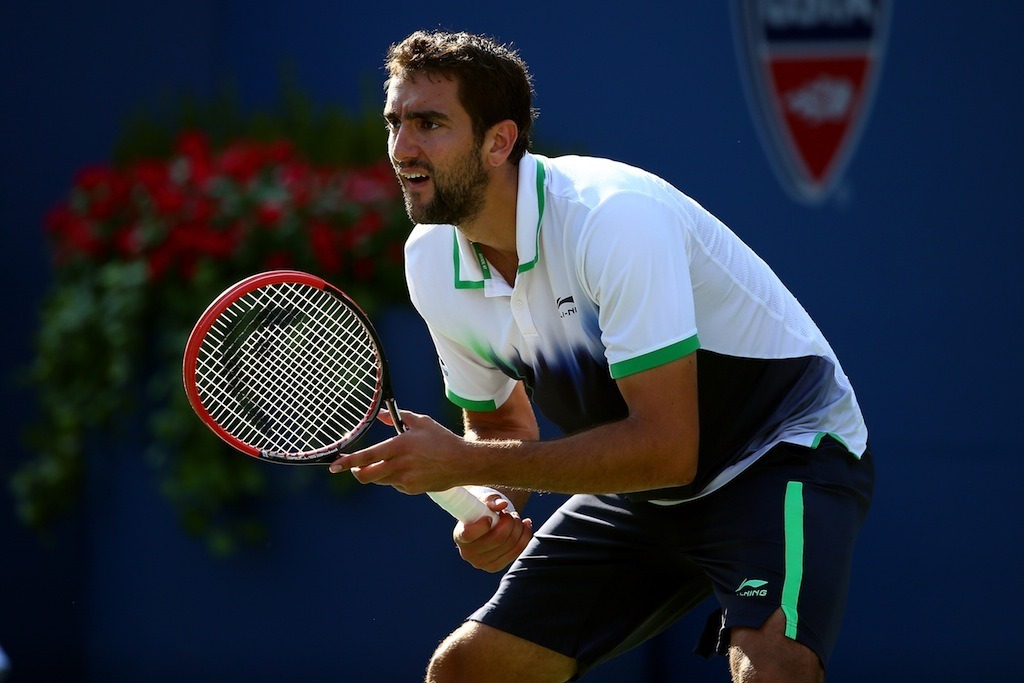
[426, 124]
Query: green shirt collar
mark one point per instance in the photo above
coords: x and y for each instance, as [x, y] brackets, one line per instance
[471, 268]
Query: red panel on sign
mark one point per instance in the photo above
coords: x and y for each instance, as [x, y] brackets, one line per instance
[817, 100]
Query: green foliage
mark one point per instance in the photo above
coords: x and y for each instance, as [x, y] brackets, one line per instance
[326, 135]
[195, 200]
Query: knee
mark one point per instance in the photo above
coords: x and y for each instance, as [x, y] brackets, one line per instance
[773, 668]
[474, 652]
[766, 655]
[453, 658]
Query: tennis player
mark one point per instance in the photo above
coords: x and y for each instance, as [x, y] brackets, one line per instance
[712, 440]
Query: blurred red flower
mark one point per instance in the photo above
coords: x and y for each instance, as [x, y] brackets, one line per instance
[249, 205]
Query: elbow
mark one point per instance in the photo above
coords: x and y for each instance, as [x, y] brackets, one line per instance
[690, 477]
[685, 471]
[671, 456]
[669, 471]
[679, 466]
[682, 452]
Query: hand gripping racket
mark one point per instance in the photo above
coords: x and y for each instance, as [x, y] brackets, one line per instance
[287, 368]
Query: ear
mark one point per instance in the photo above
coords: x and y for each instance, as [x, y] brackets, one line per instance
[499, 141]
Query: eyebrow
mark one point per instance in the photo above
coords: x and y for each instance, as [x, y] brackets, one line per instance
[426, 114]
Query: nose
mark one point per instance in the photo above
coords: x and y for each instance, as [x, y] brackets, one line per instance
[401, 144]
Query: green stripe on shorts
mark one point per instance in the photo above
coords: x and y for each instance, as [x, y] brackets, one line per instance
[794, 529]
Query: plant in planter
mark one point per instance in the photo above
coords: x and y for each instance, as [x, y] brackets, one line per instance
[142, 244]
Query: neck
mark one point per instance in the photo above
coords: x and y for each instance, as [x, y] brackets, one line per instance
[507, 264]
[494, 229]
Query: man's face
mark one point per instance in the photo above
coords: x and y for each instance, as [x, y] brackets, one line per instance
[433, 150]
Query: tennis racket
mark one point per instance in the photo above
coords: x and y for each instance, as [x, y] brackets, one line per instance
[288, 369]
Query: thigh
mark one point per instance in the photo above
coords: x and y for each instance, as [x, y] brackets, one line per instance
[781, 537]
[601, 576]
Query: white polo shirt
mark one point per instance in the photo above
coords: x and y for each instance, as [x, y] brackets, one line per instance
[620, 272]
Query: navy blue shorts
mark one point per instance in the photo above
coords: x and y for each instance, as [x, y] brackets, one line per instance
[606, 573]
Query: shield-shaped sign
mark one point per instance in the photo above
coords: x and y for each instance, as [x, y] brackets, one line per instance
[811, 67]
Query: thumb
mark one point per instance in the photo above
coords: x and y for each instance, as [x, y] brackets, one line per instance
[386, 416]
[405, 418]
[467, 533]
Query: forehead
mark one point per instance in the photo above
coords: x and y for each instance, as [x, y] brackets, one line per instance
[422, 92]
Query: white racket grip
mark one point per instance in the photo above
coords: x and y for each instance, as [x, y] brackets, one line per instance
[462, 505]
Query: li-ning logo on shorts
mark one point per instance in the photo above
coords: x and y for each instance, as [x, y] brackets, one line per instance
[566, 306]
[751, 588]
[811, 67]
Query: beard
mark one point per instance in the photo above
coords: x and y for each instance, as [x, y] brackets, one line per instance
[458, 192]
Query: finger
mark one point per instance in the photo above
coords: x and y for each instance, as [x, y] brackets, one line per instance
[491, 544]
[375, 473]
[500, 557]
[408, 419]
[494, 542]
[497, 503]
[363, 458]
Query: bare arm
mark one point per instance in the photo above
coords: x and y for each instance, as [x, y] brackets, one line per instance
[513, 420]
[654, 446]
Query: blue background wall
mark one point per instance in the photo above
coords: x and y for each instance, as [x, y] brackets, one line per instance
[912, 270]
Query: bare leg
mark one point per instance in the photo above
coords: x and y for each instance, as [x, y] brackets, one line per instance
[475, 652]
[766, 655]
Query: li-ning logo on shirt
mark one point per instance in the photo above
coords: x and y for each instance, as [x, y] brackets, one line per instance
[566, 306]
[752, 588]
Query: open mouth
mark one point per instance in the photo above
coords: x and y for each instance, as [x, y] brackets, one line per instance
[414, 179]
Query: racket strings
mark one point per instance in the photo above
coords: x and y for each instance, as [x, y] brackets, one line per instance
[298, 386]
[289, 369]
[308, 376]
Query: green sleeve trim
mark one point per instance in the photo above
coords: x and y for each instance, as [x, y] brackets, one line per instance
[654, 358]
[480, 406]
[820, 435]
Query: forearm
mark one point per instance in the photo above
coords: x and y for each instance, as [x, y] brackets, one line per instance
[619, 457]
[517, 496]
[654, 447]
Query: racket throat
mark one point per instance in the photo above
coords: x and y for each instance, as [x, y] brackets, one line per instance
[392, 407]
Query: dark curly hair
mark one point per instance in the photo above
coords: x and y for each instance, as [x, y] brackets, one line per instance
[494, 82]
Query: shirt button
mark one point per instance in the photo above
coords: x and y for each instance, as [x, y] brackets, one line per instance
[519, 304]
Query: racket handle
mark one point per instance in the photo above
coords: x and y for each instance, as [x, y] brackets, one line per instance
[458, 501]
[462, 505]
